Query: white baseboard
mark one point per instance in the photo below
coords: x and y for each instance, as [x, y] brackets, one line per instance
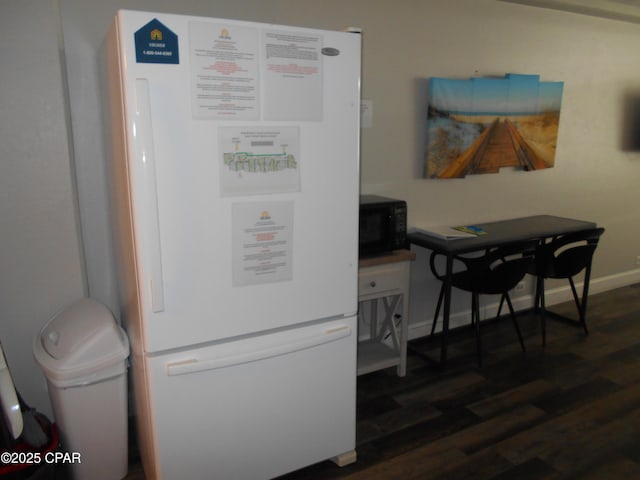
[552, 297]
[597, 285]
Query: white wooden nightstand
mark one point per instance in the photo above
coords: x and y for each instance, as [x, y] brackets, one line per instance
[383, 305]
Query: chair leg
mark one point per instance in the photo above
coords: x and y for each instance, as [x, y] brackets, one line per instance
[500, 306]
[515, 321]
[543, 316]
[438, 306]
[582, 304]
[576, 299]
[585, 296]
[475, 318]
[536, 299]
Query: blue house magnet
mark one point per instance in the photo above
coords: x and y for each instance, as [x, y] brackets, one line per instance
[155, 43]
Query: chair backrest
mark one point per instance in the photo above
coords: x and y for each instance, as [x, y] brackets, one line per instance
[567, 255]
[507, 266]
[498, 270]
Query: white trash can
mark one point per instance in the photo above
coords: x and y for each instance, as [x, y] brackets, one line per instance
[83, 353]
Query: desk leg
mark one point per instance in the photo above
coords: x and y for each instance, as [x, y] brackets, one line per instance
[446, 310]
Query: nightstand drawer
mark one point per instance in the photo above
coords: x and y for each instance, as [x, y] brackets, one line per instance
[380, 280]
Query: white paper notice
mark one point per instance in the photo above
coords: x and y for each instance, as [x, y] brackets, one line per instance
[262, 242]
[259, 160]
[292, 72]
[224, 71]
[366, 113]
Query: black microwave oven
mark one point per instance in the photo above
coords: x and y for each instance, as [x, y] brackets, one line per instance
[383, 225]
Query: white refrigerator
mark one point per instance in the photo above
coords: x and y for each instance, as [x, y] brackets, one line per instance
[234, 158]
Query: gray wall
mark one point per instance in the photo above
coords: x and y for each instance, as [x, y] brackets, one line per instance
[41, 266]
[404, 43]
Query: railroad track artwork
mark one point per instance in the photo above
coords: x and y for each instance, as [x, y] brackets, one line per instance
[500, 145]
[482, 125]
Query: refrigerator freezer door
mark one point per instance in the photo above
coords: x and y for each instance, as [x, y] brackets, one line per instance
[255, 408]
[184, 222]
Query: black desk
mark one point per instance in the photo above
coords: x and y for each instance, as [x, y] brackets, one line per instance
[539, 227]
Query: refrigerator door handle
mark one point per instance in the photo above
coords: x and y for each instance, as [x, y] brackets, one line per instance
[143, 137]
[194, 365]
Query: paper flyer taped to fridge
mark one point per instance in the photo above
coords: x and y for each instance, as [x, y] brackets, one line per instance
[262, 242]
[259, 160]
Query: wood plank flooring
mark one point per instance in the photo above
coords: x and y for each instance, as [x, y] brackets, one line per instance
[567, 410]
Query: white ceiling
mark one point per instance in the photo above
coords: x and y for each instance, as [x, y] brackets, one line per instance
[624, 10]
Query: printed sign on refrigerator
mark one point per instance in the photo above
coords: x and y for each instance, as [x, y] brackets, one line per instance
[292, 72]
[224, 71]
[156, 43]
[262, 242]
[259, 160]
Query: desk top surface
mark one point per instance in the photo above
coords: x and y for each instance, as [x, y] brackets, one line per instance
[502, 232]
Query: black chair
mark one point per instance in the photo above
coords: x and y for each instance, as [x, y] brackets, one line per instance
[496, 272]
[565, 257]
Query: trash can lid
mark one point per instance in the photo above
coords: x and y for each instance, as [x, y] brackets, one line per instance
[80, 340]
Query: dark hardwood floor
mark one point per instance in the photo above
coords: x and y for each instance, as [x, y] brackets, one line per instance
[567, 410]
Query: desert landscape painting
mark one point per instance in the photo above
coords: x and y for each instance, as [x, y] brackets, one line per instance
[480, 125]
